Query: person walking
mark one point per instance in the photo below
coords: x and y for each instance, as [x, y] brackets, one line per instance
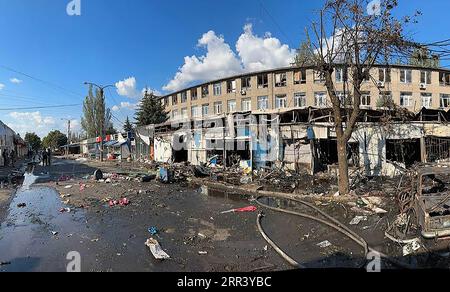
[5, 157]
[49, 156]
[12, 157]
[44, 158]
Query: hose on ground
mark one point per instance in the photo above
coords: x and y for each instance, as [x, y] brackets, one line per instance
[333, 223]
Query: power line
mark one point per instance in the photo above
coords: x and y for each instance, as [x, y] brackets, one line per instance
[39, 107]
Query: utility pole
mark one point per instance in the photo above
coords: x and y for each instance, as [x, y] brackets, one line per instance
[102, 130]
[68, 136]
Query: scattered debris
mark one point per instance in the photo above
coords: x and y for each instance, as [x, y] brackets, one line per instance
[65, 210]
[68, 187]
[156, 249]
[98, 175]
[203, 253]
[54, 233]
[201, 235]
[358, 219]
[324, 244]
[121, 202]
[241, 210]
[411, 247]
[21, 205]
[153, 231]
[5, 263]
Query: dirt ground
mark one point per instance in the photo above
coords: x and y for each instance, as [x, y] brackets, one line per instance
[191, 228]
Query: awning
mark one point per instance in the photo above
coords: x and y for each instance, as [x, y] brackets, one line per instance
[110, 143]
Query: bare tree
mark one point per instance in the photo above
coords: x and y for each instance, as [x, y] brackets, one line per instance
[354, 37]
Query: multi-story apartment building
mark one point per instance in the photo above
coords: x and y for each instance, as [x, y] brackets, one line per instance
[285, 89]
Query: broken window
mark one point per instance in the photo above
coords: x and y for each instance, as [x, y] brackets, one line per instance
[194, 94]
[231, 86]
[280, 101]
[385, 99]
[425, 77]
[300, 99]
[174, 99]
[445, 100]
[343, 98]
[166, 101]
[406, 152]
[246, 83]
[217, 89]
[300, 76]
[444, 78]
[384, 75]
[263, 81]
[246, 104]
[320, 99]
[405, 76]
[280, 79]
[184, 97]
[175, 114]
[427, 100]
[319, 76]
[205, 91]
[232, 106]
[263, 103]
[218, 108]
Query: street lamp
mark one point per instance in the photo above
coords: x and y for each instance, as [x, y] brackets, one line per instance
[102, 130]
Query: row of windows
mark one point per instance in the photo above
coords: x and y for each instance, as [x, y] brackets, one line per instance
[320, 100]
[300, 77]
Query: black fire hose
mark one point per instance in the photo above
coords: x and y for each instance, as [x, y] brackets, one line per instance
[333, 223]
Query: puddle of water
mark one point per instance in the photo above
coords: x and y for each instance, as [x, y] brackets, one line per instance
[232, 196]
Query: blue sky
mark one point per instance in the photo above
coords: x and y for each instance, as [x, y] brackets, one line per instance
[146, 40]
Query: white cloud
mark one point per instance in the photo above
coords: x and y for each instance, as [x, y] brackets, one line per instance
[265, 53]
[124, 105]
[15, 80]
[253, 53]
[2, 86]
[127, 88]
[219, 61]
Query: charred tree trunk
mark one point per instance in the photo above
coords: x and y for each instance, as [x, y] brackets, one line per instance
[344, 182]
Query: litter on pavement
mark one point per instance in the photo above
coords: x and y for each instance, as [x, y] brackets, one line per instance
[156, 249]
[241, 210]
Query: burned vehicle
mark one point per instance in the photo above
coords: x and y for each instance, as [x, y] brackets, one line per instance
[432, 201]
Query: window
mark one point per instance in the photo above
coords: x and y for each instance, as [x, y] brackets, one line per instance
[246, 83]
[194, 94]
[444, 78]
[183, 97]
[427, 100]
[246, 104]
[445, 100]
[319, 77]
[343, 98]
[300, 76]
[425, 77]
[166, 101]
[196, 111]
[184, 113]
[175, 114]
[231, 86]
[406, 99]
[320, 99]
[218, 108]
[405, 76]
[217, 89]
[385, 99]
[263, 81]
[205, 91]
[175, 99]
[280, 80]
[232, 106]
[300, 99]
[205, 110]
[365, 99]
[280, 101]
[263, 103]
[384, 75]
[341, 75]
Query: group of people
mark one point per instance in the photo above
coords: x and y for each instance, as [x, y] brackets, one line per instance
[9, 157]
[46, 157]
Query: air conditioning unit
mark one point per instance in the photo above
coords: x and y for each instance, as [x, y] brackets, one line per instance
[423, 86]
[380, 84]
[243, 92]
